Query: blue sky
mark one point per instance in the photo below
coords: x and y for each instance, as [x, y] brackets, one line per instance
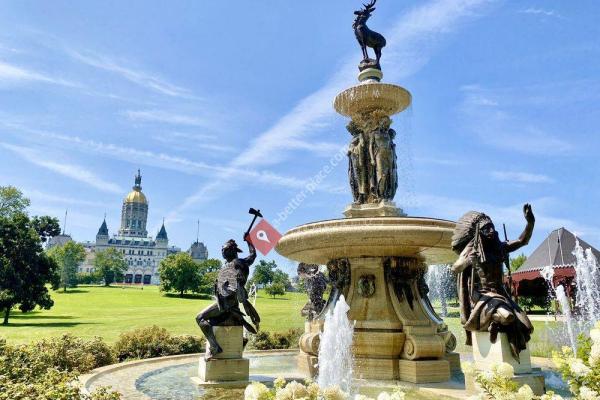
[228, 105]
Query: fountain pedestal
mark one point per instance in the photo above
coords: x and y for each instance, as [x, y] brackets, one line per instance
[228, 368]
[486, 353]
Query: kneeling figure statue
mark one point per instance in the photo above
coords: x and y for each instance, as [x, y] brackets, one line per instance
[485, 304]
[230, 291]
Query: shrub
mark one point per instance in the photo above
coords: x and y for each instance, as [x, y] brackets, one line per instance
[49, 373]
[275, 289]
[69, 353]
[87, 278]
[275, 341]
[153, 342]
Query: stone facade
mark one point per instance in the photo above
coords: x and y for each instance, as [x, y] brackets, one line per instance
[142, 253]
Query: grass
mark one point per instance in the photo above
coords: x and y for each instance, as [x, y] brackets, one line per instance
[89, 311]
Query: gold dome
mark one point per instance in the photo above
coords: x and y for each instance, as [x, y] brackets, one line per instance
[136, 196]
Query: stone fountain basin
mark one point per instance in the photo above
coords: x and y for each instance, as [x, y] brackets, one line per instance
[426, 239]
[369, 97]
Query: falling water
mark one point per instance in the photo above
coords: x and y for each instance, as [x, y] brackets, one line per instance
[438, 280]
[565, 305]
[335, 354]
[559, 294]
[587, 279]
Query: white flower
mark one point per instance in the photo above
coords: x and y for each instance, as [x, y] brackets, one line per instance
[313, 390]
[595, 335]
[361, 397]
[595, 354]
[279, 383]
[292, 391]
[398, 395]
[524, 393]
[551, 396]
[468, 368]
[505, 370]
[256, 391]
[334, 393]
[383, 396]
[586, 393]
[578, 368]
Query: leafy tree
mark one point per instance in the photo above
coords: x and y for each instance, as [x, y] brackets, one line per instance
[68, 257]
[12, 201]
[180, 273]
[110, 265]
[281, 277]
[46, 227]
[517, 262]
[264, 272]
[275, 289]
[25, 268]
[209, 270]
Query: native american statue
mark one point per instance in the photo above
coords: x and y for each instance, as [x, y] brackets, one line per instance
[485, 304]
[230, 291]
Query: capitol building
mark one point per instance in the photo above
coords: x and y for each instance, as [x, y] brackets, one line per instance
[142, 253]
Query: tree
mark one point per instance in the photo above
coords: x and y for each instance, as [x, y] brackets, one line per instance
[281, 277]
[110, 265]
[46, 227]
[180, 273]
[275, 289]
[68, 257]
[25, 269]
[12, 201]
[264, 272]
[209, 270]
[517, 262]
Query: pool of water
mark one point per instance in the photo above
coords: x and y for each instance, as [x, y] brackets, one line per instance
[173, 383]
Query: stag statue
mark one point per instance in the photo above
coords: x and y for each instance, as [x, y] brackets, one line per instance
[366, 37]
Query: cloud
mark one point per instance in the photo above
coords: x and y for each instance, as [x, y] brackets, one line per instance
[409, 48]
[72, 171]
[520, 177]
[494, 119]
[42, 197]
[166, 117]
[141, 78]
[540, 11]
[14, 74]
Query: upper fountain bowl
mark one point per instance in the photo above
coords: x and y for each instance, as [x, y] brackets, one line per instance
[426, 239]
[368, 97]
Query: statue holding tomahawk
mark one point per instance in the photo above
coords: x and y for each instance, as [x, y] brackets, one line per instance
[230, 291]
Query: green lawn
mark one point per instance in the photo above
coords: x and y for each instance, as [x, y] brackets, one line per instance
[89, 311]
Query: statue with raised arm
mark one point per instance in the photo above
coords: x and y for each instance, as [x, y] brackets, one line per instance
[485, 303]
[230, 291]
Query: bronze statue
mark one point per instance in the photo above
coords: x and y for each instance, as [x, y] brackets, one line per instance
[383, 159]
[372, 162]
[316, 283]
[358, 165]
[368, 38]
[485, 303]
[230, 291]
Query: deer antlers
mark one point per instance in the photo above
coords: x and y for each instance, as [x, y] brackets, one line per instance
[370, 7]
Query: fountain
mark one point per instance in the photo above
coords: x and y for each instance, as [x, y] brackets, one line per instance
[587, 280]
[335, 365]
[440, 282]
[377, 256]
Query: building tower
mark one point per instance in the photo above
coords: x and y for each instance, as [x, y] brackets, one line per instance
[102, 235]
[134, 214]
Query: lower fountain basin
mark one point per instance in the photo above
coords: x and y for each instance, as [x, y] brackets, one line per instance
[426, 239]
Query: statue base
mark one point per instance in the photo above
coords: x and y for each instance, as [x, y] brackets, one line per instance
[226, 367]
[369, 210]
[370, 75]
[486, 353]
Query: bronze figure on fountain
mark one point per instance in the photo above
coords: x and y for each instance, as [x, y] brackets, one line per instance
[368, 38]
[230, 291]
[485, 303]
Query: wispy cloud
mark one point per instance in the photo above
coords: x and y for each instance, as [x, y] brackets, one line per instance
[42, 197]
[409, 48]
[10, 73]
[520, 177]
[141, 78]
[540, 11]
[165, 117]
[495, 123]
[76, 172]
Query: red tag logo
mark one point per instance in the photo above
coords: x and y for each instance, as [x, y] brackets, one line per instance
[264, 237]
